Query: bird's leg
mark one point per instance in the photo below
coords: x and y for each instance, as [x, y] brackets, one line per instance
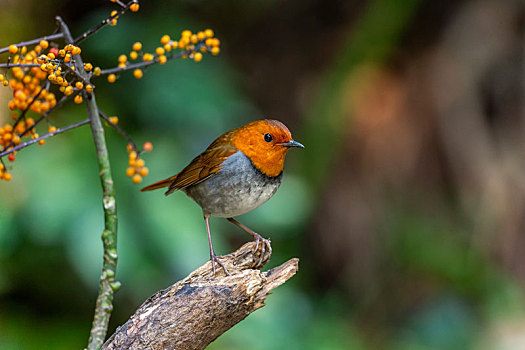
[214, 258]
[257, 237]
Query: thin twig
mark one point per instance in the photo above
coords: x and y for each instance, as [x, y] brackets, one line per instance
[22, 65]
[119, 130]
[105, 22]
[34, 41]
[45, 136]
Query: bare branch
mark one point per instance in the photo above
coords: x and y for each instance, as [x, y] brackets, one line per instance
[119, 130]
[34, 41]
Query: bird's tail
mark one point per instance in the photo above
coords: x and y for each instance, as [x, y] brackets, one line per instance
[160, 184]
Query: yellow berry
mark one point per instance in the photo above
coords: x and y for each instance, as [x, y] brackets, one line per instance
[134, 7]
[113, 120]
[88, 67]
[112, 77]
[130, 171]
[144, 171]
[137, 73]
[159, 51]
[122, 58]
[137, 46]
[51, 56]
[194, 38]
[163, 59]
[5, 83]
[44, 44]
[147, 57]
[201, 35]
[133, 55]
[68, 90]
[175, 44]
[62, 53]
[52, 128]
[79, 85]
[165, 39]
[209, 33]
[215, 50]
[197, 56]
[133, 155]
[13, 49]
[97, 71]
[139, 163]
[76, 50]
[89, 88]
[136, 179]
[186, 33]
[78, 99]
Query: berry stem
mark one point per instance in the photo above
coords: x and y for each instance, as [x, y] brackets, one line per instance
[104, 303]
[120, 131]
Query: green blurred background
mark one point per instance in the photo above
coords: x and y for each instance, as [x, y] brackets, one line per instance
[407, 207]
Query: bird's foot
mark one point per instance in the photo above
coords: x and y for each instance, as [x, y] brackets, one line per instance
[266, 244]
[215, 259]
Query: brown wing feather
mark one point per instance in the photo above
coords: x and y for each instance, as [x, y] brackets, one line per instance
[200, 168]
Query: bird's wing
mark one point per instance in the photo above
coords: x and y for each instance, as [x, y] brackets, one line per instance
[201, 167]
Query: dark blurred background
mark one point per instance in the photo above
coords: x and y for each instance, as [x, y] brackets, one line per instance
[407, 207]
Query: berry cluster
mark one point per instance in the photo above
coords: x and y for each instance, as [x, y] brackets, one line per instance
[189, 45]
[137, 169]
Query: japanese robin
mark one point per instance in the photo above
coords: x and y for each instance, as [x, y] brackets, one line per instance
[238, 172]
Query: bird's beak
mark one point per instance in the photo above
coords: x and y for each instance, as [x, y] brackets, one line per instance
[291, 143]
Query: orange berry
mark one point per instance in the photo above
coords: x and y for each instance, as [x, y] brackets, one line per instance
[68, 90]
[165, 39]
[44, 44]
[209, 33]
[147, 57]
[137, 73]
[13, 49]
[78, 99]
[186, 33]
[133, 155]
[122, 58]
[148, 146]
[113, 120]
[201, 35]
[79, 85]
[197, 56]
[52, 129]
[137, 46]
[89, 88]
[136, 179]
[160, 51]
[163, 59]
[133, 55]
[7, 176]
[129, 147]
[41, 142]
[88, 67]
[2, 167]
[140, 163]
[130, 171]
[215, 50]
[144, 172]
[111, 78]
[134, 7]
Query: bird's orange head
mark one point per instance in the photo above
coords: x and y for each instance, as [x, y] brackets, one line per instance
[265, 142]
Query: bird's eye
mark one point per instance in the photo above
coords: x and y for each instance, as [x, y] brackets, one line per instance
[268, 138]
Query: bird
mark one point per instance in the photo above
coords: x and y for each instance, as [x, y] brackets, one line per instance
[238, 172]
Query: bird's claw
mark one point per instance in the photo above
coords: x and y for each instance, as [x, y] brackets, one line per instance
[215, 259]
[266, 245]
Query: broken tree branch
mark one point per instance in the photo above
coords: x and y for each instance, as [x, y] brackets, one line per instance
[193, 312]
